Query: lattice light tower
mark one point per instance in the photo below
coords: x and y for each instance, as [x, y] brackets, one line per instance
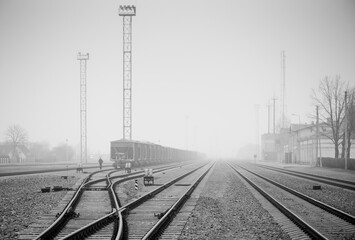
[127, 12]
[83, 137]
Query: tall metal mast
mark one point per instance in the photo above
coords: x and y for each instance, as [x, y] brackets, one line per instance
[127, 11]
[83, 138]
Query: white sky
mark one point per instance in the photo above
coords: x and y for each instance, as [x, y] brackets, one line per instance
[209, 60]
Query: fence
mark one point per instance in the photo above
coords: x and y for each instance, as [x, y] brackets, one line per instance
[4, 159]
[338, 163]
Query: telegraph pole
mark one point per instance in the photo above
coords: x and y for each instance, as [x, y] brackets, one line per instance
[317, 134]
[268, 117]
[346, 131]
[127, 12]
[274, 117]
[83, 137]
[187, 132]
[257, 131]
[283, 91]
[66, 157]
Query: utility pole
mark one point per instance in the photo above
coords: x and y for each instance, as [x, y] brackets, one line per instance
[283, 91]
[257, 131]
[274, 117]
[83, 137]
[187, 133]
[346, 131]
[268, 117]
[66, 156]
[127, 12]
[317, 134]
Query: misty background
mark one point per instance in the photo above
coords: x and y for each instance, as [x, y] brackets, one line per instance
[199, 68]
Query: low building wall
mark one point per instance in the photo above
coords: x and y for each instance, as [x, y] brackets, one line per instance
[338, 163]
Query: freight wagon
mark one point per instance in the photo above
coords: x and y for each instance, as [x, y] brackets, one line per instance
[144, 153]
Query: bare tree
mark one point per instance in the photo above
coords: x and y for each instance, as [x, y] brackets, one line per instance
[16, 135]
[330, 98]
[350, 131]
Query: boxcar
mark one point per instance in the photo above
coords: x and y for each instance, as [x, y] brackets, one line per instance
[144, 153]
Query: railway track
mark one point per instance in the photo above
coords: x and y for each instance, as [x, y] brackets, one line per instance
[149, 216]
[83, 209]
[328, 180]
[40, 171]
[93, 209]
[316, 219]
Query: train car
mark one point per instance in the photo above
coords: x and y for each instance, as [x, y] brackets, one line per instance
[144, 153]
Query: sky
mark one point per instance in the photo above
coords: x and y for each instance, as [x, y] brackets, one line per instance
[199, 68]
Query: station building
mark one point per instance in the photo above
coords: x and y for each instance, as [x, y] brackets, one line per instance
[298, 144]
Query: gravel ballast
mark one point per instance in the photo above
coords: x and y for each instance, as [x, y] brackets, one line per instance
[337, 197]
[338, 173]
[227, 210]
[22, 202]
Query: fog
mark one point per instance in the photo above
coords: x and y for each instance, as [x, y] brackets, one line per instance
[198, 70]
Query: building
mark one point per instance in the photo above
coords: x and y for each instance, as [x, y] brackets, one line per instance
[272, 146]
[9, 155]
[298, 144]
[269, 143]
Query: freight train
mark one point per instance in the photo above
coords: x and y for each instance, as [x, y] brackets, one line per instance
[135, 153]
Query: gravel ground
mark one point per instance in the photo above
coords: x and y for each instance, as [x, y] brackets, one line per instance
[320, 220]
[334, 196]
[338, 173]
[227, 210]
[126, 191]
[21, 200]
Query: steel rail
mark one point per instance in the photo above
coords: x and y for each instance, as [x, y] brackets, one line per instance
[68, 211]
[156, 170]
[170, 214]
[143, 198]
[118, 227]
[126, 208]
[92, 227]
[55, 227]
[327, 180]
[114, 216]
[41, 171]
[308, 229]
[343, 215]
